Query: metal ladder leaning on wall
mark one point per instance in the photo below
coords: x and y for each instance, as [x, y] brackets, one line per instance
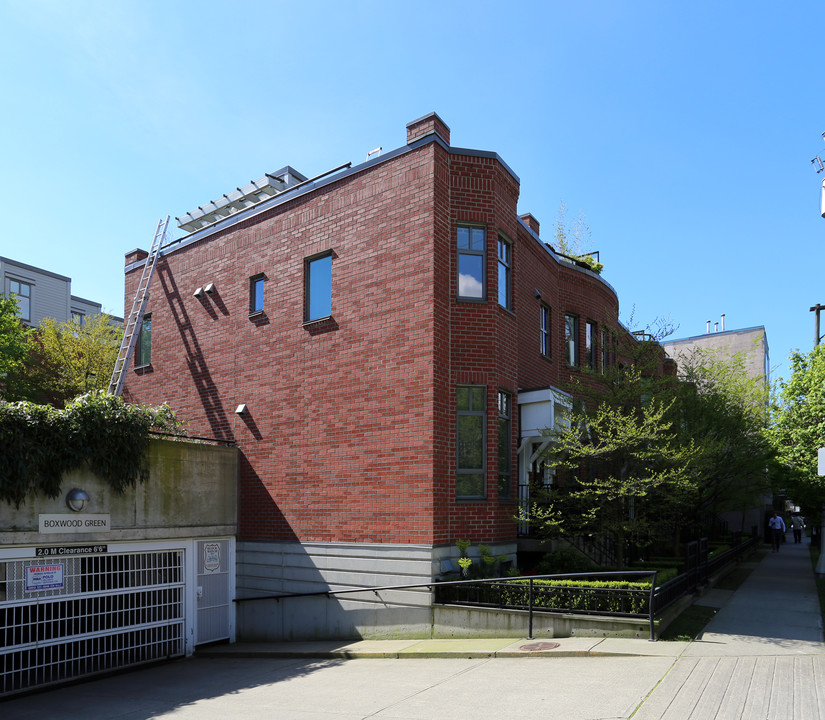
[134, 320]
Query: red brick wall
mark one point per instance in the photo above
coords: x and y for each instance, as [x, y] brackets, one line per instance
[338, 442]
[351, 427]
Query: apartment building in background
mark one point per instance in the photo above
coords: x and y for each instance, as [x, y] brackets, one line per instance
[44, 294]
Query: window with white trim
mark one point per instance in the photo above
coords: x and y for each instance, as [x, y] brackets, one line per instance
[23, 293]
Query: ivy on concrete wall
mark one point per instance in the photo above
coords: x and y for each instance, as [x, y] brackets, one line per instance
[39, 443]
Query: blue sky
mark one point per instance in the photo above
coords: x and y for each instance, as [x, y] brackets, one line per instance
[682, 131]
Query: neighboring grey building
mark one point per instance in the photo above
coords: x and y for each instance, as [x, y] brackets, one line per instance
[751, 342]
[42, 293]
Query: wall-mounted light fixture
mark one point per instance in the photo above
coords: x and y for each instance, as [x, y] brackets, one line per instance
[241, 409]
[537, 293]
[209, 289]
[198, 293]
[77, 499]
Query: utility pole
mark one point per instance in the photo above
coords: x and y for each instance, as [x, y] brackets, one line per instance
[817, 337]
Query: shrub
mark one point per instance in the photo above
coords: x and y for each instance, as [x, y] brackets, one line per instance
[98, 431]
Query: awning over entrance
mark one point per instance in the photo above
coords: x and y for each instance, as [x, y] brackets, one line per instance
[540, 410]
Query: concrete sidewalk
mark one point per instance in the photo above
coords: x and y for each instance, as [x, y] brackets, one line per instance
[761, 656]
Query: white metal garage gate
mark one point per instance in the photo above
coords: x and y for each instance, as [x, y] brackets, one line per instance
[63, 617]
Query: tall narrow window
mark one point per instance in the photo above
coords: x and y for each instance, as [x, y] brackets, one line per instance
[143, 349]
[23, 291]
[318, 291]
[590, 344]
[571, 340]
[505, 254]
[504, 437]
[605, 350]
[471, 422]
[544, 329]
[471, 261]
[256, 294]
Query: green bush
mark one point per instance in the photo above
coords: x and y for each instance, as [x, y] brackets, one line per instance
[98, 431]
[587, 595]
[562, 561]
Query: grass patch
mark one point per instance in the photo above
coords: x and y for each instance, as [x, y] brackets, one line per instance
[689, 624]
[820, 582]
[693, 620]
[733, 579]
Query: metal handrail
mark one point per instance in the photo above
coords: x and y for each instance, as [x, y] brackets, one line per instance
[483, 581]
[658, 599]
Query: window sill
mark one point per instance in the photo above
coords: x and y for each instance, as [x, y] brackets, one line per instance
[255, 315]
[318, 321]
[141, 369]
[470, 500]
[510, 312]
[476, 301]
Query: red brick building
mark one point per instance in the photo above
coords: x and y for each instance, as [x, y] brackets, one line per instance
[382, 342]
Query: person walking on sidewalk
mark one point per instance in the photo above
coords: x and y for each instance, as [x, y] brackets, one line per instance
[797, 525]
[777, 526]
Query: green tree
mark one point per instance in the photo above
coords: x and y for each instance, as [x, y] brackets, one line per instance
[14, 343]
[623, 471]
[573, 238]
[724, 412]
[798, 428]
[66, 360]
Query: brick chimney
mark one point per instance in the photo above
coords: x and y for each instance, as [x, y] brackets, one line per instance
[530, 222]
[427, 125]
[136, 255]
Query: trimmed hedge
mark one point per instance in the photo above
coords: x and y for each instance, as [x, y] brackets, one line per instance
[594, 596]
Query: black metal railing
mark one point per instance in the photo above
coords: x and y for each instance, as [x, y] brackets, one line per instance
[581, 597]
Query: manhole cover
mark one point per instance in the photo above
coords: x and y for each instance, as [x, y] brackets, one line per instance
[538, 646]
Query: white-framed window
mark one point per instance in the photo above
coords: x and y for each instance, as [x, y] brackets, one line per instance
[23, 292]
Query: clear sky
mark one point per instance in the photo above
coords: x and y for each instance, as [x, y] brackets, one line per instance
[682, 131]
